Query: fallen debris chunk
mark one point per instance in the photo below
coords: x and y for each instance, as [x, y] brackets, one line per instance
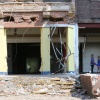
[42, 91]
[82, 92]
[23, 85]
[20, 91]
[78, 87]
[66, 87]
[55, 79]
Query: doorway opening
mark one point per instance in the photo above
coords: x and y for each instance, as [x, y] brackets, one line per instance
[24, 58]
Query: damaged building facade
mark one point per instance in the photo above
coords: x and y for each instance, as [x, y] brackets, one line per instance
[88, 19]
[38, 37]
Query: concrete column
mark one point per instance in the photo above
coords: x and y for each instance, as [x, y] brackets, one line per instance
[45, 51]
[70, 45]
[3, 51]
[76, 49]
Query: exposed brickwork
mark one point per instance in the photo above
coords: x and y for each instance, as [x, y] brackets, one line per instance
[32, 14]
[38, 22]
[95, 9]
[88, 11]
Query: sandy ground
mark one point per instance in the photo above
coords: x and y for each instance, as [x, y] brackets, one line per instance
[19, 80]
[37, 97]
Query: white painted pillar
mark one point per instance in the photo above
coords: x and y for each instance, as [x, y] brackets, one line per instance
[76, 49]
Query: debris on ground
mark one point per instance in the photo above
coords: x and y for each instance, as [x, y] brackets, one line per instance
[91, 83]
[26, 85]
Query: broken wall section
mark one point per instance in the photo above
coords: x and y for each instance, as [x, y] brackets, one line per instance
[91, 83]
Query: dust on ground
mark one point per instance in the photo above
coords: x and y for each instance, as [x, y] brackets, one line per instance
[36, 87]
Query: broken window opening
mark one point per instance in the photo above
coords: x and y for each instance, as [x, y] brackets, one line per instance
[56, 19]
[33, 18]
[9, 19]
[57, 52]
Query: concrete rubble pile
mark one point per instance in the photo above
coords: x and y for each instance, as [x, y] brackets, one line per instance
[91, 83]
[25, 85]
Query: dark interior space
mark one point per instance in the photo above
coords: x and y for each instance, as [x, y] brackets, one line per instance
[80, 58]
[56, 67]
[89, 31]
[56, 19]
[9, 19]
[24, 58]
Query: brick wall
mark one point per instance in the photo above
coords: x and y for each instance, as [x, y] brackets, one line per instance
[88, 11]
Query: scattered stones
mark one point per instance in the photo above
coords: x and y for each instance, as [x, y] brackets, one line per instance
[24, 85]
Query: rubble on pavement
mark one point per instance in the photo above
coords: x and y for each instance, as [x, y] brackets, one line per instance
[25, 85]
[91, 83]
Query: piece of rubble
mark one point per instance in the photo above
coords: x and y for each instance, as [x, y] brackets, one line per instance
[78, 86]
[55, 79]
[82, 92]
[64, 91]
[66, 87]
[23, 85]
[91, 83]
[20, 91]
[41, 91]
